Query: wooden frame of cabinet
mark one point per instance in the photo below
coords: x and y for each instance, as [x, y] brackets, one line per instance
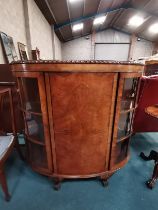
[80, 108]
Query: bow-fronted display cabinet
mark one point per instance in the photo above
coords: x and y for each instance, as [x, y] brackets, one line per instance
[78, 115]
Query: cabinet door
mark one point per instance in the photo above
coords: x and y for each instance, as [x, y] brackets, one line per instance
[82, 109]
[34, 108]
[126, 105]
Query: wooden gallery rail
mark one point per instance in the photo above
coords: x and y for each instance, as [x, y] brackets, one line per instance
[78, 115]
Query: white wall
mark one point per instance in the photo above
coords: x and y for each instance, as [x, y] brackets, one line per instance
[142, 48]
[111, 36]
[13, 19]
[12, 23]
[84, 49]
[78, 49]
[40, 31]
[57, 46]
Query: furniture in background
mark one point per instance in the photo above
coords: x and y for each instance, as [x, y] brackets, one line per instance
[151, 68]
[78, 116]
[8, 48]
[23, 52]
[153, 112]
[35, 54]
[147, 97]
[7, 142]
[7, 80]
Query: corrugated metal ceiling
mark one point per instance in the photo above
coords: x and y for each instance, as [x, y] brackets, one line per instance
[63, 15]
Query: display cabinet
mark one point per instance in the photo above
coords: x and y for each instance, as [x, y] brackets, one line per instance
[151, 68]
[78, 115]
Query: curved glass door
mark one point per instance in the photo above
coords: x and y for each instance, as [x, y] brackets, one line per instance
[127, 107]
[35, 126]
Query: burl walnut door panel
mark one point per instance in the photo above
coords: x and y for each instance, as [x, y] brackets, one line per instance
[82, 114]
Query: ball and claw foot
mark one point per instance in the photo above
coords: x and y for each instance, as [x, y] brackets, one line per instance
[142, 156]
[104, 183]
[7, 198]
[150, 183]
[57, 185]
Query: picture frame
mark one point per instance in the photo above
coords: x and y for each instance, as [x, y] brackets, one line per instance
[23, 51]
[8, 47]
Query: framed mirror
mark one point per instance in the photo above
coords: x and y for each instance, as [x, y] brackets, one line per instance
[8, 47]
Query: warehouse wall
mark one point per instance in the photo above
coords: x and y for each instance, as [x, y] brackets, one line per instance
[12, 22]
[57, 51]
[78, 49]
[40, 31]
[142, 48]
[83, 48]
[26, 24]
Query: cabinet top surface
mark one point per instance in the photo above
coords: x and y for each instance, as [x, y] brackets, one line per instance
[152, 62]
[76, 66]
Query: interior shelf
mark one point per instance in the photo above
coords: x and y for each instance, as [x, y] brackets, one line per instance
[35, 141]
[124, 138]
[128, 110]
[30, 112]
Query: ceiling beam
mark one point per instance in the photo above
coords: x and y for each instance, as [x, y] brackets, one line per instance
[146, 11]
[127, 5]
[45, 9]
[115, 18]
[143, 26]
[96, 13]
[48, 14]
[76, 20]
[68, 8]
[87, 34]
[128, 33]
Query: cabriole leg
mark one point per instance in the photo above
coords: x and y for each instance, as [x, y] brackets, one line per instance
[57, 183]
[104, 179]
[4, 185]
[152, 156]
[151, 183]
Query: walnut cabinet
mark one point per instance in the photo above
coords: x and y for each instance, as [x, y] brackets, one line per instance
[78, 115]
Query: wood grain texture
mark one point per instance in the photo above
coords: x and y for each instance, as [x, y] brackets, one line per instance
[152, 110]
[81, 103]
[81, 113]
[76, 66]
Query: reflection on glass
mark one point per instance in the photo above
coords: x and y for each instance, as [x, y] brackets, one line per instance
[37, 156]
[121, 150]
[31, 98]
[129, 93]
[124, 125]
[35, 127]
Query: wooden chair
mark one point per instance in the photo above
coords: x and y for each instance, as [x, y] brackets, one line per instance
[152, 111]
[7, 142]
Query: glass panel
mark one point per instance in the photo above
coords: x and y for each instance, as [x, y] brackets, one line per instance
[37, 155]
[5, 114]
[124, 125]
[30, 94]
[35, 127]
[121, 150]
[129, 93]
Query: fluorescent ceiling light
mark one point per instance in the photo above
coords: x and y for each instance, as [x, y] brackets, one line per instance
[136, 21]
[154, 28]
[99, 20]
[74, 1]
[77, 27]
